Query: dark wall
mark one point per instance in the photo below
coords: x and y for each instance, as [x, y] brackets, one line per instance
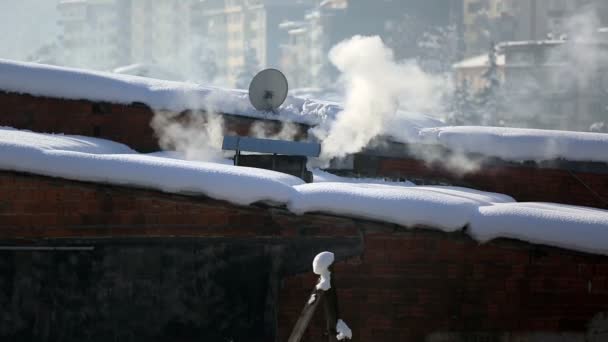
[559, 181]
[194, 292]
[162, 267]
[420, 285]
[185, 268]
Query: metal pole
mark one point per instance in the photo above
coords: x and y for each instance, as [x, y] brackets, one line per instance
[330, 307]
[309, 309]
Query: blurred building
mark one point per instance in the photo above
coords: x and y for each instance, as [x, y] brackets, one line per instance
[312, 35]
[542, 19]
[561, 84]
[471, 71]
[160, 29]
[245, 34]
[95, 33]
[550, 84]
[117, 34]
[487, 21]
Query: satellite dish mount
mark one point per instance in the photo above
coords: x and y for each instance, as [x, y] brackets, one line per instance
[268, 90]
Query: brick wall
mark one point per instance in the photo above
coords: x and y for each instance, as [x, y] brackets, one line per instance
[393, 283]
[164, 267]
[128, 124]
[420, 285]
[524, 182]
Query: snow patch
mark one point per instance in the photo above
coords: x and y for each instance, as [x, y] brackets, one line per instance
[97, 160]
[343, 331]
[53, 142]
[487, 215]
[566, 226]
[312, 298]
[520, 144]
[69, 83]
[320, 265]
[448, 209]
[321, 176]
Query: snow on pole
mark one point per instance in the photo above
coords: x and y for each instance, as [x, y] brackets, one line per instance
[343, 330]
[320, 266]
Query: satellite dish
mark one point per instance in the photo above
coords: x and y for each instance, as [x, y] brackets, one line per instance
[268, 90]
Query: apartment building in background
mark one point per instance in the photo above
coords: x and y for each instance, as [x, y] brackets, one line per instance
[494, 21]
[160, 29]
[557, 84]
[399, 23]
[245, 34]
[95, 33]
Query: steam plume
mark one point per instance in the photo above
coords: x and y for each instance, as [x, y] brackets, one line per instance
[196, 135]
[376, 86]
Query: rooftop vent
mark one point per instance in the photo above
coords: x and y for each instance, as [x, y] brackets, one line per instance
[288, 157]
[267, 91]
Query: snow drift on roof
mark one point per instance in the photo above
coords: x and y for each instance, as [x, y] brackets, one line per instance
[97, 160]
[13, 138]
[565, 226]
[488, 215]
[520, 144]
[480, 61]
[76, 84]
[406, 206]
[69, 83]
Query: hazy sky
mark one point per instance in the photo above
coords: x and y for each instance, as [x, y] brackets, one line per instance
[25, 25]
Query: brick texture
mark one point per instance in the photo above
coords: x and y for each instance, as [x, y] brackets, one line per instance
[524, 183]
[406, 284]
[130, 124]
[125, 123]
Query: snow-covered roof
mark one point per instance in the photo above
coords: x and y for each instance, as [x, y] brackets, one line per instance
[520, 144]
[67, 2]
[487, 215]
[145, 70]
[300, 30]
[507, 143]
[531, 42]
[481, 61]
[69, 83]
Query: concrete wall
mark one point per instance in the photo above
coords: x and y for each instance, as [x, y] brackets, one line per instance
[196, 269]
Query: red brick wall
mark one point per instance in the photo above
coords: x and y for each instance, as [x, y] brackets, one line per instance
[406, 284]
[409, 285]
[128, 124]
[521, 182]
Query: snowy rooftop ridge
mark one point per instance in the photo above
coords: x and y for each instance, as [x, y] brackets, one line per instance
[520, 144]
[507, 143]
[479, 61]
[487, 215]
[77, 84]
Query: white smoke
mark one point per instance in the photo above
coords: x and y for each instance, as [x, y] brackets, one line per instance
[196, 135]
[376, 87]
[263, 130]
